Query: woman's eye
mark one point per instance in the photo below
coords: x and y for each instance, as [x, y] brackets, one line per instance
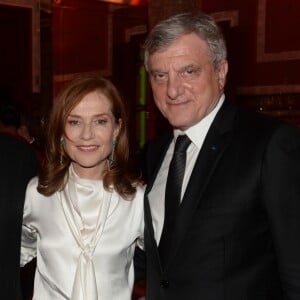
[101, 121]
[73, 122]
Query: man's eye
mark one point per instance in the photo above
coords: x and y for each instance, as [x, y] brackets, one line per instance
[160, 76]
[190, 72]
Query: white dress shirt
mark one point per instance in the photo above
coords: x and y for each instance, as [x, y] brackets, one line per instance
[196, 134]
[61, 250]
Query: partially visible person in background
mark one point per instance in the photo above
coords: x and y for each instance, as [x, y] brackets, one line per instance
[27, 130]
[84, 214]
[18, 165]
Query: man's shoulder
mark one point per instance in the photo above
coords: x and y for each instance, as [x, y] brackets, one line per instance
[15, 153]
[246, 118]
[11, 145]
[250, 124]
[13, 141]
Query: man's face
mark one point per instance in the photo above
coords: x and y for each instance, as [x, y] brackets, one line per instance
[186, 87]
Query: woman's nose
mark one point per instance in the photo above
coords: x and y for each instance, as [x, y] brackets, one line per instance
[87, 131]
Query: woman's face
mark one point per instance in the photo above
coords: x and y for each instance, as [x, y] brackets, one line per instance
[89, 134]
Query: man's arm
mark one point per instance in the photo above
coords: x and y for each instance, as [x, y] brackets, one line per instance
[139, 264]
[281, 193]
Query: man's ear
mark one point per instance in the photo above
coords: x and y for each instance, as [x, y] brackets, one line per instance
[222, 73]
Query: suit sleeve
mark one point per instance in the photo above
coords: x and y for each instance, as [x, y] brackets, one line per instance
[139, 260]
[281, 193]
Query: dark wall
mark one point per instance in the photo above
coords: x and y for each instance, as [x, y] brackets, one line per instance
[15, 52]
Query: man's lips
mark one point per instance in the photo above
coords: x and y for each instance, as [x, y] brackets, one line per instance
[177, 102]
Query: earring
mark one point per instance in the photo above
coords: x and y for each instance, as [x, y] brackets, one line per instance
[111, 159]
[61, 158]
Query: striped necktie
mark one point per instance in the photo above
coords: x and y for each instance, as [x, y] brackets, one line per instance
[173, 194]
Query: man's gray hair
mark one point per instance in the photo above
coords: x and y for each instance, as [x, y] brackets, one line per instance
[167, 31]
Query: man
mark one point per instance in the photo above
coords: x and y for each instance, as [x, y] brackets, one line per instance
[18, 164]
[235, 233]
[26, 130]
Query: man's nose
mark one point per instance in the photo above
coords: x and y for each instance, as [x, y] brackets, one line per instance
[175, 86]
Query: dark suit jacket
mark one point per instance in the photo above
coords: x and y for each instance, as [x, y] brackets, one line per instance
[237, 235]
[18, 164]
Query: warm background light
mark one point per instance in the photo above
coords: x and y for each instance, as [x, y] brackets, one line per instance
[127, 2]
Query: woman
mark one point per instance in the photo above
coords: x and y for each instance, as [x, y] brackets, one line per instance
[84, 213]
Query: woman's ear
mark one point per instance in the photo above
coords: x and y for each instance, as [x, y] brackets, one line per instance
[117, 129]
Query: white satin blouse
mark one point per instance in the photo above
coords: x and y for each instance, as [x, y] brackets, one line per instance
[84, 244]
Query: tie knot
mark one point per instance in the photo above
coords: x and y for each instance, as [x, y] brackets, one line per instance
[182, 143]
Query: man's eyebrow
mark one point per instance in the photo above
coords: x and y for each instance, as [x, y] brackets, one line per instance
[190, 66]
[158, 71]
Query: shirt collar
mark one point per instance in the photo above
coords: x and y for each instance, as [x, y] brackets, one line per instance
[202, 126]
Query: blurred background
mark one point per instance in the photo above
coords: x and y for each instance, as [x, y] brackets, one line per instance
[45, 43]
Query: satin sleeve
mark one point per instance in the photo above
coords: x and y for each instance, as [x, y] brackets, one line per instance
[140, 215]
[29, 231]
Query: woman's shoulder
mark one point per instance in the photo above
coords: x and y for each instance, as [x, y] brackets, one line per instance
[32, 185]
[137, 196]
[36, 204]
[140, 187]
[138, 200]
[32, 191]
[140, 190]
